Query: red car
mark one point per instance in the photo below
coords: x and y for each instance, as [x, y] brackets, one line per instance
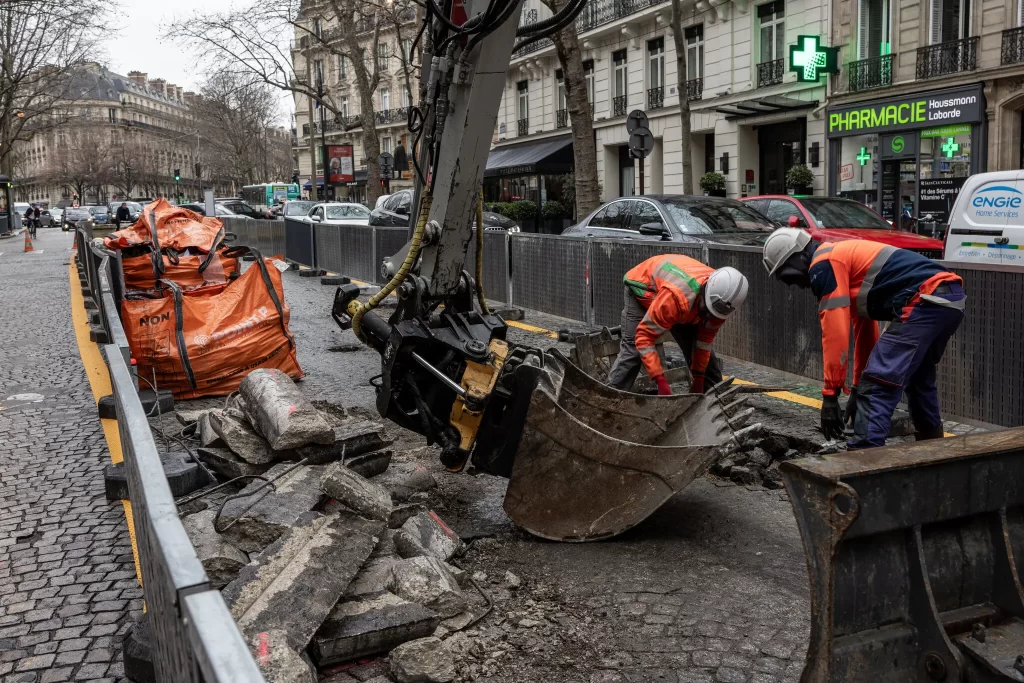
[833, 219]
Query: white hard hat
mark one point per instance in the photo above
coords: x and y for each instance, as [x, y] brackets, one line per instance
[724, 291]
[782, 244]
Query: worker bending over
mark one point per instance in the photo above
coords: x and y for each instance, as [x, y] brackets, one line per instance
[862, 282]
[682, 295]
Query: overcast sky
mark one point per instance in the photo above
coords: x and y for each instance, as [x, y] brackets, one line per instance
[138, 46]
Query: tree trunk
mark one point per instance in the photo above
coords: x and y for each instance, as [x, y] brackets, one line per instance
[312, 139]
[684, 100]
[366, 83]
[567, 46]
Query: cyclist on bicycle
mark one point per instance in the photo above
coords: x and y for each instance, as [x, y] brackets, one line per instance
[32, 220]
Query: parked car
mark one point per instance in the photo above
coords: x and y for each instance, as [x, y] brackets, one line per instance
[394, 212]
[56, 216]
[74, 214]
[676, 218]
[134, 210]
[293, 208]
[985, 223]
[100, 215]
[380, 200]
[339, 214]
[240, 207]
[201, 209]
[833, 219]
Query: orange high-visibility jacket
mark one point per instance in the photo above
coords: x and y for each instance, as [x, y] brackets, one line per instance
[667, 287]
[860, 281]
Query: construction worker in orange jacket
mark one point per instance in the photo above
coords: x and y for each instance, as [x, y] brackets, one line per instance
[682, 295]
[860, 282]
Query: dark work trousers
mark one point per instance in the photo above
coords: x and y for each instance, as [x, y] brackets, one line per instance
[628, 363]
[904, 360]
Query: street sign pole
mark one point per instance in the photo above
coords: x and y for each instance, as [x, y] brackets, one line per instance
[641, 143]
[641, 176]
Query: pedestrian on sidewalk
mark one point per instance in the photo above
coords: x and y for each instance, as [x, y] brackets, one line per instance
[123, 215]
[860, 282]
[683, 296]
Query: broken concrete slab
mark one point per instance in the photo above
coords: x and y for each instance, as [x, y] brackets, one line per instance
[370, 464]
[351, 438]
[376, 576]
[221, 560]
[400, 514]
[277, 660]
[187, 417]
[208, 437]
[293, 585]
[426, 660]
[357, 493]
[231, 425]
[280, 412]
[227, 464]
[405, 480]
[261, 516]
[362, 626]
[426, 534]
[427, 581]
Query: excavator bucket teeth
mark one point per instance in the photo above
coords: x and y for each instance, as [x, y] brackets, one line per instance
[594, 461]
[913, 553]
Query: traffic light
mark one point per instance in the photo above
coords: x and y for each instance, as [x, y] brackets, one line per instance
[177, 174]
[295, 178]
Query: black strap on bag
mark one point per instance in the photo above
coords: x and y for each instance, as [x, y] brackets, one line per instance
[262, 264]
[179, 332]
[157, 255]
[213, 250]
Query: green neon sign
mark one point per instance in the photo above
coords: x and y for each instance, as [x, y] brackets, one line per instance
[809, 59]
[897, 144]
[863, 157]
[949, 148]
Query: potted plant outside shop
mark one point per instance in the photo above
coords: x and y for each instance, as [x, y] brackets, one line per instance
[555, 217]
[524, 212]
[800, 180]
[713, 184]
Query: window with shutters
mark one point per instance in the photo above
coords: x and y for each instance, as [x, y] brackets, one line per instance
[619, 78]
[382, 56]
[874, 31]
[342, 67]
[656, 63]
[385, 144]
[771, 19]
[588, 76]
[523, 103]
[694, 51]
[560, 90]
[950, 20]
[385, 99]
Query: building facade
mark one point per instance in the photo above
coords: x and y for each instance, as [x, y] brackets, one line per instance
[121, 137]
[751, 119]
[318, 127]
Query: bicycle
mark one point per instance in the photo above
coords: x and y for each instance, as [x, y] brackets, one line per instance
[33, 223]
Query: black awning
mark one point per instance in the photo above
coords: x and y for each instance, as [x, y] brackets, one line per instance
[549, 156]
[763, 105]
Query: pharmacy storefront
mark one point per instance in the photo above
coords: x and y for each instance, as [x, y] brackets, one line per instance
[908, 156]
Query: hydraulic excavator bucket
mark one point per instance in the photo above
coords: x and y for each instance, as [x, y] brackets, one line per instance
[594, 461]
[912, 553]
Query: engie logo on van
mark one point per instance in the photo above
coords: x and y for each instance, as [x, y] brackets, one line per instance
[989, 199]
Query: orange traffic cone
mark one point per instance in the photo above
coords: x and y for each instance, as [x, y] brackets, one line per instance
[28, 242]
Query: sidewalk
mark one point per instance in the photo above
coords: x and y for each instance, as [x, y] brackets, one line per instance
[67, 576]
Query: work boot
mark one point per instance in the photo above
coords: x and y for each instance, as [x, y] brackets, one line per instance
[929, 433]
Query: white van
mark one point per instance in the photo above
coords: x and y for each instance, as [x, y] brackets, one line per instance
[986, 224]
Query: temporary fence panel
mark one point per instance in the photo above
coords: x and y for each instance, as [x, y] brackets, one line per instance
[549, 274]
[218, 646]
[386, 242]
[328, 248]
[276, 237]
[298, 242]
[357, 258]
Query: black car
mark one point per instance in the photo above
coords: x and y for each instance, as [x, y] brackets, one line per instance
[134, 210]
[72, 215]
[394, 212]
[676, 218]
[221, 210]
[100, 215]
[240, 207]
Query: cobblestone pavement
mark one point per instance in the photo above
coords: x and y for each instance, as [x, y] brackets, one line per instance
[67, 578]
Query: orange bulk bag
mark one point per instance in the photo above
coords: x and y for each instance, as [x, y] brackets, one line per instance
[189, 271]
[205, 345]
[175, 228]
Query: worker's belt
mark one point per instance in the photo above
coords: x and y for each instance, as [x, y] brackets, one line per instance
[944, 288]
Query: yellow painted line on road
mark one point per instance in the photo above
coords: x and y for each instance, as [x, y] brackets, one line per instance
[99, 382]
[532, 328]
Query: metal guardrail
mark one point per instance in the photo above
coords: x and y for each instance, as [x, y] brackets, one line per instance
[194, 635]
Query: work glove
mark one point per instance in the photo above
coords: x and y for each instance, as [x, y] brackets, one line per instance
[831, 418]
[851, 407]
[663, 388]
[697, 384]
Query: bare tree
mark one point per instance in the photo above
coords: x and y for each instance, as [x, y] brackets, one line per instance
[42, 44]
[79, 162]
[581, 116]
[128, 161]
[676, 23]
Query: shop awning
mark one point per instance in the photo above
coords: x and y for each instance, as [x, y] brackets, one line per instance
[309, 185]
[771, 104]
[547, 156]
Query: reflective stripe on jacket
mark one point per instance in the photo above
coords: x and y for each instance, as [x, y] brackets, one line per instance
[859, 282]
[667, 287]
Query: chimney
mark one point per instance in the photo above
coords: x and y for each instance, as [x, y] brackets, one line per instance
[138, 78]
[179, 94]
[157, 85]
[171, 91]
[190, 97]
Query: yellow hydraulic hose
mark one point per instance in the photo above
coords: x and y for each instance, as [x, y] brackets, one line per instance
[480, 252]
[356, 309]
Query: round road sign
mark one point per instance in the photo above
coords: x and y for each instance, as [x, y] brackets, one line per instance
[636, 119]
[641, 142]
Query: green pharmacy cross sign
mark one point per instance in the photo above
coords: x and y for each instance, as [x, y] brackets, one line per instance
[808, 58]
[863, 157]
[949, 148]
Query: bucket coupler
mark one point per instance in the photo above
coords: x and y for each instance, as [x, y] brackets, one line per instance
[912, 554]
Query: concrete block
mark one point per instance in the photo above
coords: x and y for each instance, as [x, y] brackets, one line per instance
[406, 480]
[264, 515]
[350, 439]
[227, 464]
[236, 432]
[356, 492]
[208, 438]
[370, 464]
[293, 585]
[136, 652]
[183, 476]
[187, 417]
[334, 280]
[277, 660]
[426, 660]
[221, 560]
[149, 399]
[427, 581]
[280, 412]
[98, 335]
[400, 514]
[376, 576]
[366, 625]
[312, 272]
[426, 534]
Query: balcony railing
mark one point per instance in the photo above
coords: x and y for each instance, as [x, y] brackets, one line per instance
[619, 106]
[596, 13]
[562, 118]
[1012, 51]
[694, 89]
[655, 98]
[867, 74]
[523, 127]
[770, 73]
[361, 25]
[339, 125]
[946, 58]
[399, 115]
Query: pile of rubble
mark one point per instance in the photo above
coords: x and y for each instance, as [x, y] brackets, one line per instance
[759, 464]
[328, 553]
